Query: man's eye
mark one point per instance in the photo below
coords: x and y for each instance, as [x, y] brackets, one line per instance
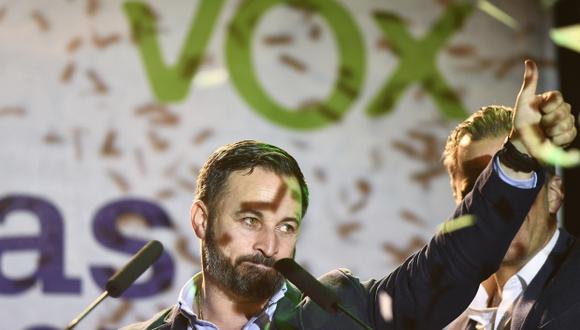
[250, 222]
[287, 228]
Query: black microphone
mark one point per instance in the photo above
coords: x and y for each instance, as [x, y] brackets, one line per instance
[124, 277]
[310, 286]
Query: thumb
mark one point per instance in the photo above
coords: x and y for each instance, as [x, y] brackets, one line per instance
[530, 82]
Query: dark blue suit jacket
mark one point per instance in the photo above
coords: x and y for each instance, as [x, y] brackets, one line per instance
[552, 300]
[432, 287]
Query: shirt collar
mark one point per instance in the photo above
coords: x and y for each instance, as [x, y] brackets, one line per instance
[532, 267]
[187, 303]
[525, 274]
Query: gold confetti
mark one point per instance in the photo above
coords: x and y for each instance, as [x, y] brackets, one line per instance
[74, 44]
[67, 72]
[52, 138]
[461, 50]
[3, 11]
[119, 181]
[186, 184]
[172, 168]
[40, 20]
[98, 84]
[103, 42]
[108, 149]
[12, 111]
[319, 174]
[401, 255]
[202, 136]
[293, 63]
[165, 194]
[411, 217]
[347, 229]
[158, 143]
[182, 248]
[92, 7]
[314, 32]
[280, 39]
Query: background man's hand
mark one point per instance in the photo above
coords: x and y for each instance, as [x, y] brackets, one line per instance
[543, 124]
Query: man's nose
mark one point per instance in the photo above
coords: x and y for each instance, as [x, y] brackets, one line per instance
[267, 243]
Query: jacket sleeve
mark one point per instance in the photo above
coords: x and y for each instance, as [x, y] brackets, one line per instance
[433, 286]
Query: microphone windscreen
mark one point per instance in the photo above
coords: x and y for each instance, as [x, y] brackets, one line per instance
[309, 285]
[144, 258]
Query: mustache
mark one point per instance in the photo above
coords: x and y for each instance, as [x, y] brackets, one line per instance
[257, 259]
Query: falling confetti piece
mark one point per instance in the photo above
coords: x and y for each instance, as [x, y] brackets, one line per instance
[293, 63]
[108, 149]
[103, 42]
[119, 181]
[182, 248]
[456, 224]
[345, 230]
[67, 72]
[314, 32]
[165, 194]
[495, 12]
[567, 37]
[280, 39]
[320, 175]
[411, 217]
[158, 143]
[74, 44]
[52, 138]
[3, 11]
[40, 20]
[98, 84]
[172, 168]
[211, 78]
[92, 7]
[202, 136]
[461, 50]
[186, 184]
[364, 188]
[386, 306]
[402, 254]
[12, 111]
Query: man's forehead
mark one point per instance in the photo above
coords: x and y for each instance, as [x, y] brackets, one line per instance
[254, 185]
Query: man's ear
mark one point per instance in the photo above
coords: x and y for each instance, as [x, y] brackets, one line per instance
[198, 217]
[555, 194]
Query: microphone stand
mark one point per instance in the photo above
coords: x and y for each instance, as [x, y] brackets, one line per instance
[87, 310]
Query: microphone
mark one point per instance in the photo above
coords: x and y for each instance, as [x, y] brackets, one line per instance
[124, 277]
[311, 287]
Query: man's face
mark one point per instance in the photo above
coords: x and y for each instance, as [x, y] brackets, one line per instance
[256, 224]
[472, 158]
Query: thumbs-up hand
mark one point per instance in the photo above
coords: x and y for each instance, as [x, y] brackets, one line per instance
[543, 124]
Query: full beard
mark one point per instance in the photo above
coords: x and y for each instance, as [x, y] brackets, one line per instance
[243, 277]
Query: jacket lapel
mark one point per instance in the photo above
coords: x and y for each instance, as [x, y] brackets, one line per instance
[523, 312]
[287, 315]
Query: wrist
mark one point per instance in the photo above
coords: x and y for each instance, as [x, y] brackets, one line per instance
[512, 157]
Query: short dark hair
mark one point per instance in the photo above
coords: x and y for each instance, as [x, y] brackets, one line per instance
[244, 155]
